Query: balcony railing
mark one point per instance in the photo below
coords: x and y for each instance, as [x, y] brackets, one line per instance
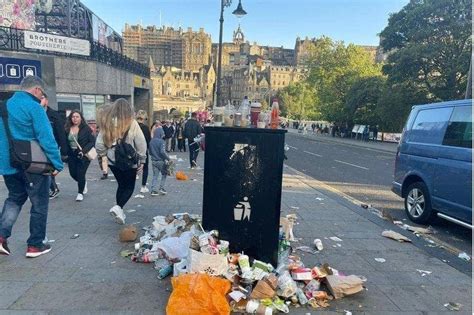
[12, 39]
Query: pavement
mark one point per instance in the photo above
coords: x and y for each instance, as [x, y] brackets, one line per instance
[87, 275]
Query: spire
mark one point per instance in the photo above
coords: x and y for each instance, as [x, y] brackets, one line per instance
[239, 37]
[151, 65]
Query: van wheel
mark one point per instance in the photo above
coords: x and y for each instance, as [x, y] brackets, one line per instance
[418, 203]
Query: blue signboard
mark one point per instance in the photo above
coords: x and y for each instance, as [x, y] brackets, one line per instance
[13, 70]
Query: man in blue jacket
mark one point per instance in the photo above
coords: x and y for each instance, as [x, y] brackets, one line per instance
[28, 121]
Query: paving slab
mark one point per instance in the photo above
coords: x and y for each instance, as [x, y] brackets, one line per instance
[87, 275]
[11, 291]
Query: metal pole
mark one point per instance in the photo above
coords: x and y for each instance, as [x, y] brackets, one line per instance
[469, 82]
[219, 62]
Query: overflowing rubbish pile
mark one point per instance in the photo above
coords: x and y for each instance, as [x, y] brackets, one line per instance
[207, 278]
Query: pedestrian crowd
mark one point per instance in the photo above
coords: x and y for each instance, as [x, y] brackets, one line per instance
[35, 142]
[338, 130]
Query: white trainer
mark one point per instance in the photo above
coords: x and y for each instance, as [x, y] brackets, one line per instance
[144, 189]
[117, 212]
[80, 197]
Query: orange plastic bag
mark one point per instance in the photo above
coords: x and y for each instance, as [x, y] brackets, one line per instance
[198, 294]
[181, 176]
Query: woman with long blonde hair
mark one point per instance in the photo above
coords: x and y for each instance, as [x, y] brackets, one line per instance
[120, 132]
[103, 162]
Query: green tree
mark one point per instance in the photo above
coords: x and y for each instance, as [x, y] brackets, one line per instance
[395, 103]
[298, 101]
[429, 46]
[363, 99]
[333, 69]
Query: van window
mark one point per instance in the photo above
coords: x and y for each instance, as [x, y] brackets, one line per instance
[459, 131]
[429, 125]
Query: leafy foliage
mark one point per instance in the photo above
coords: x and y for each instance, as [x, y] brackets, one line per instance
[363, 99]
[429, 42]
[297, 101]
[334, 68]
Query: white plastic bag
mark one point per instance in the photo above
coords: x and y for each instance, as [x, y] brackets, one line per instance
[179, 268]
[176, 247]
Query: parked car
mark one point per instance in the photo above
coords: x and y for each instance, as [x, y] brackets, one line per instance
[433, 165]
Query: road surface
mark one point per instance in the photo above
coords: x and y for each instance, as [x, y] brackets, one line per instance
[363, 173]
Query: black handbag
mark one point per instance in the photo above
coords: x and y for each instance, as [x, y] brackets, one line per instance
[25, 155]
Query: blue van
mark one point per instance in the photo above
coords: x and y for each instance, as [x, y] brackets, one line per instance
[433, 166]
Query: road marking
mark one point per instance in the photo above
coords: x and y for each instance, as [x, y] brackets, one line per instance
[313, 153]
[330, 142]
[364, 168]
[295, 148]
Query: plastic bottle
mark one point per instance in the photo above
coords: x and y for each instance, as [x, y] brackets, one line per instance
[301, 297]
[245, 111]
[275, 115]
[229, 112]
[262, 120]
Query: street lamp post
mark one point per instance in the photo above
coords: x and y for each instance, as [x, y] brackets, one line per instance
[239, 12]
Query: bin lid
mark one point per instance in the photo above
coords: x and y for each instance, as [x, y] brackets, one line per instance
[239, 129]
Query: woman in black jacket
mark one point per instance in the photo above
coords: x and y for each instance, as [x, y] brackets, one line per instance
[80, 140]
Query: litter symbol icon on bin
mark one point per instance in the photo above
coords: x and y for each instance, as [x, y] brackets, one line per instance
[242, 210]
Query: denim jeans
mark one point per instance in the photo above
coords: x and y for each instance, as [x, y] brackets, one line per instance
[22, 186]
[193, 152]
[157, 171]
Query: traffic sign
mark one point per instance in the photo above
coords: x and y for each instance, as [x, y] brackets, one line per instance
[13, 70]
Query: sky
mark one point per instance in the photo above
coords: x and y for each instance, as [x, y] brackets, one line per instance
[268, 22]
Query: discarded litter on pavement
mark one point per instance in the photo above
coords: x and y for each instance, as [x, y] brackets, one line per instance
[207, 278]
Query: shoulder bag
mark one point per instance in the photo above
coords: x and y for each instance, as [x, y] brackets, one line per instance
[25, 155]
[91, 154]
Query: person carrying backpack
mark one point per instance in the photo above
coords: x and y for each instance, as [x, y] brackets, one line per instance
[123, 142]
[27, 121]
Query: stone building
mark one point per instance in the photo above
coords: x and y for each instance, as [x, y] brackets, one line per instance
[167, 46]
[185, 90]
[245, 81]
[303, 50]
[282, 76]
[257, 80]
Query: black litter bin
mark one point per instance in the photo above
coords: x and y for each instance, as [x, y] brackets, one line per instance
[242, 188]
